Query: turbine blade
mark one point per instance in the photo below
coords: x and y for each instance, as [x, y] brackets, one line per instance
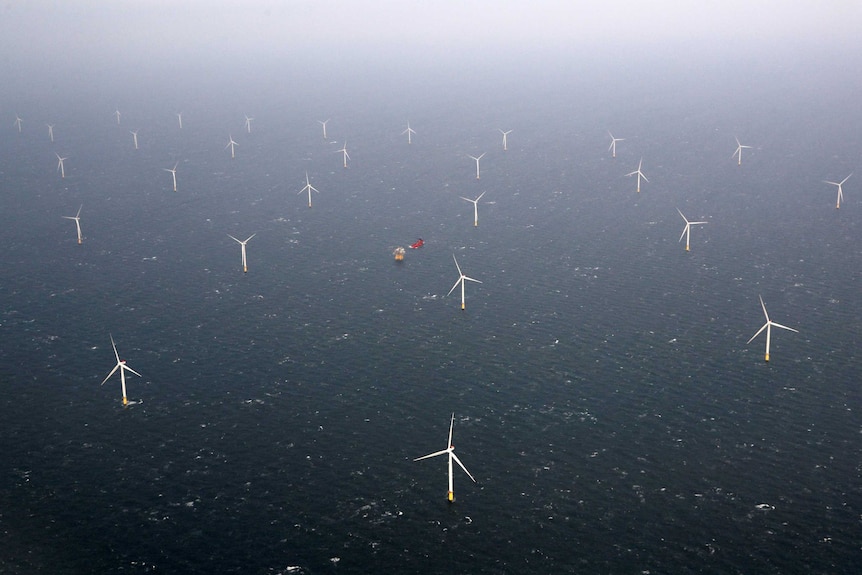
[116, 367]
[763, 305]
[451, 426]
[758, 333]
[454, 286]
[117, 355]
[127, 368]
[460, 273]
[471, 279]
[784, 327]
[458, 461]
[435, 454]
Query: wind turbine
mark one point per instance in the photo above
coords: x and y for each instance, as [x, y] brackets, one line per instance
[475, 207]
[248, 124]
[180, 119]
[738, 151]
[768, 327]
[50, 131]
[310, 189]
[77, 218]
[242, 243]
[135, 135]
[461, 279]
[60, 166]
[450, 451]
[409, 131]
[17, 122]
[344, 151]
[505, 144]
[117, 114]
[173, 172]
[121, 365]
[687, 230]
[640, 174]
[477, 163]
[840, 193]
[231, 144]
[613, 147]
[323, 123]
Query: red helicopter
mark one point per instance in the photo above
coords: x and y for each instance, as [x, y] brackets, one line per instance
[417, 244]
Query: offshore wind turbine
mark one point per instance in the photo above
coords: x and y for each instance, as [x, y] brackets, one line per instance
[309, 188]
[475, 207]
[687, 230]
[248, 124]
[409, 131]
[134, 134]
[461, 279]
[180, 119]
[121, 365]
[60, 166]
[613, 147]
[117, 114]
[173, 172]
[640, 174]
[17, 122]
[505, 142]
[77, 218]
[242, 243]
[323, 123]
[768, 327]
[344, 151]
[477, 163]
[840, 193]
[50, 131]
[738, 151]
[231, 144]
[450, 452]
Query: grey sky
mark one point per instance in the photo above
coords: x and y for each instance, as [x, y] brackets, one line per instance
[206, 28]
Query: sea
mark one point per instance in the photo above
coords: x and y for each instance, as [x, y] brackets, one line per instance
[605, 395]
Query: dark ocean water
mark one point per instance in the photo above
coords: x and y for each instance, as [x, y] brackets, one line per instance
[604, 395]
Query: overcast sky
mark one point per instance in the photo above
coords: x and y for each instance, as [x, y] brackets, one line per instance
[40, 28]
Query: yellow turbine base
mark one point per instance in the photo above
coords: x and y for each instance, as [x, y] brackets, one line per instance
[125, 400]
[80, 242]
[475, 224]
[463, 306]
[766, 357]
[686, 249]
[245, 269]
[450, 497]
